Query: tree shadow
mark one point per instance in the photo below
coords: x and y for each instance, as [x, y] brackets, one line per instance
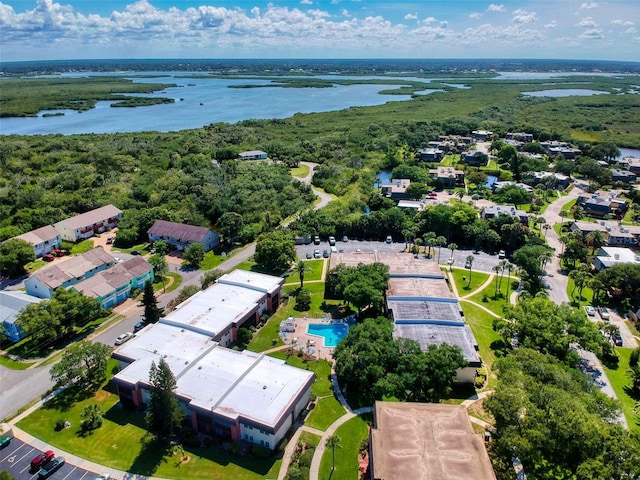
[151, 456]
[70, 396]
[632, 393]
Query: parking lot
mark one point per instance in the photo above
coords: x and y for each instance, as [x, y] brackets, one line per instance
[481, 261]
[16, 458]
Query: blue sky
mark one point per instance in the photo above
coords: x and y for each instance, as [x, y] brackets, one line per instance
[77, 29]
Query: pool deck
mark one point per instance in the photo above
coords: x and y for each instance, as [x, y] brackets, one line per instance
[315, 346]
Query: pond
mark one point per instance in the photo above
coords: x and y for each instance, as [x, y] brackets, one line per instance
[565, 92]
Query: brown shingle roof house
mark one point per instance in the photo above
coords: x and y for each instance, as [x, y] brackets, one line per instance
[180, 235]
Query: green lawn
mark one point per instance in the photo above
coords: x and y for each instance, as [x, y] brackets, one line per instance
[12, 364]
[300, 171]
[621, 382]
[252, 266]
[489, 341]
[211, 260]
[177, 280]
[326, 411]
[82, 247]
[314, 272]
[351, 434]
[123, 443]
[463, 286]
[143, 248]
[579, 301]
[495, 302]
[322, 385]
[35, 265]
[310, 439]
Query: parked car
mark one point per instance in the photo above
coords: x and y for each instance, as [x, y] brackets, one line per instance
[389, 239]
[345, 239]
[617, 339]
[136, 252]
[451, 260]
[49, 468]
[325, 253]
[104, 476]
[467, 264]
[316, 240]
[604, 313]
[332, 241]
[590, 311]
[4, 442]
[58, 253]
[109, 240]
[138, 326]
[123, 338]
[432, 195]
[48, 257]
[41, 459]
[316, 253]
[502, 254]
[309, 255]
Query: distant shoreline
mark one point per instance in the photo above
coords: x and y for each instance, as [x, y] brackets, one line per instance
[320, 66]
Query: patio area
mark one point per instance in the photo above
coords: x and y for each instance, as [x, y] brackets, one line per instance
[295, 333]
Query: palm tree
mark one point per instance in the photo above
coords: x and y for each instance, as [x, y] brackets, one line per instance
[510, 267]
[544, 259]
[333, 442]
[596, 239]
[503, 266]
[469, 261]
[432, 242]
[546, 228]
[577, 211]
[440, 242]
[580, 279]
[452, 247]
[496, 270]
[302, 267]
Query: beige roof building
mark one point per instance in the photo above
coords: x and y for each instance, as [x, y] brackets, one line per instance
[43, 239]
[89, 223]
[426, 441]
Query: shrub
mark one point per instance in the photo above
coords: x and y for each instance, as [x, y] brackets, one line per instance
[306, 458]
[59, 424]
[634, 357]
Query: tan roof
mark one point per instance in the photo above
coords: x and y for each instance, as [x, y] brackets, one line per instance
[179, 231]
[117, 276]
[400, 264]
[90, 218]
[418, 287]
[56, 275]
[426, 441]
[39, 235]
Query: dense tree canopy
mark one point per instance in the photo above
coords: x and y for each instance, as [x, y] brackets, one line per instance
[275, 251]
[372, 363]
[557, 422]
[363, 286]
[14, 255]
[84, 363]
[623, 278]
[540, 324]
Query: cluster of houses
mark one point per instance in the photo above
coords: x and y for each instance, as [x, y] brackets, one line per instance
[421, 305]
[230, 394]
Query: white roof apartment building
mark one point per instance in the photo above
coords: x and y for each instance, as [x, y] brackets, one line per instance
[230, 394]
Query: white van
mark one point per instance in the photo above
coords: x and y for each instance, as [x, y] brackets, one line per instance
[334, 250]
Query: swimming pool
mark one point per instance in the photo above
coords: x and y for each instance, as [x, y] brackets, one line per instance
[331, 332]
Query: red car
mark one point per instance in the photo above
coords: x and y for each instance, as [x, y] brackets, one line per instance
[58, 253]
[48, 257]
[41, 459]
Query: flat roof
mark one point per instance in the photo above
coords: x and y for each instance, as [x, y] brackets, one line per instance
[214, 378]
[238, 382]
[427, 441]
[213, 310]
[252, 280]
[425, 309]
[418, 287]
[429, 334]
[400, 264]
[180, 347]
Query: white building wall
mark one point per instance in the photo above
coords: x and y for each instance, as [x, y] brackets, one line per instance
[37, 289]
[259, 437]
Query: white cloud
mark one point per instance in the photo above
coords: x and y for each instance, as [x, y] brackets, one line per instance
[587, 23]
[306, 2]
[444, 24]
[523, 16]
[624, 23]
[495, 8]
[475, 15]
[345, 13]
[589, 5]
[429, 20]
[593, 34]
[411, 16]
[631, 30]
[551, 24]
